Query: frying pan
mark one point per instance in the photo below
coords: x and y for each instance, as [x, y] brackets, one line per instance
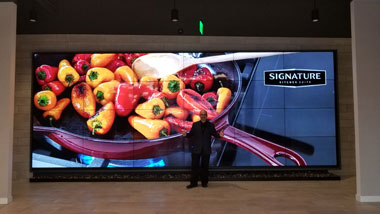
[72, 134]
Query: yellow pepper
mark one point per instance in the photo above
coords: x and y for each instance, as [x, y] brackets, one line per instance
[45, 100]
[67, 75]
[101, 60]
[150, 128]
[151, 109]
[171, 86]
[83, 100]
[106, 92]
[195, 118]
[97, 75]
[102, 121]
[126, 74]
[224, 97]
[55, 113]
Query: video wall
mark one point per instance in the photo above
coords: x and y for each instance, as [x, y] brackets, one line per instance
[129, 110]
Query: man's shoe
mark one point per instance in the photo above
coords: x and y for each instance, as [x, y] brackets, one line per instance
[191, 186]
[204, 185]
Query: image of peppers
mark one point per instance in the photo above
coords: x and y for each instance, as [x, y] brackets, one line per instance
[179, 125]
[97, 75]
[85, 57]
[151, 109]
[67, 75]
[194, 102]
[224, 97]
[150, 128]
[102, 60]
[55, 113]
[211, 97]
[45, 100]
[149, 81]
[171, 86]
[149, 93]
[126, 74]
[82, 67]
[45, 74]
[106, 92]
[114, 64]
[103, 120]
[177, 112]
[202, 83]
[83, 100]
[127, 97]
[186, 75]
[56, 87]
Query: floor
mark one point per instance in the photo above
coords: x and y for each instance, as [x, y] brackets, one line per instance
[258, 197]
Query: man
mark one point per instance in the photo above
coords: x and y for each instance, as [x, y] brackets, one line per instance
[200, 134]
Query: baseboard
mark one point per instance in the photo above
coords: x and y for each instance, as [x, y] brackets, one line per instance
[368, 198]
[5, 200]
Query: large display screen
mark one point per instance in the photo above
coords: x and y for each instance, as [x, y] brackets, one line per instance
[129, 110]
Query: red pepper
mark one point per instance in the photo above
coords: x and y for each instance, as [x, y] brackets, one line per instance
[126, 99]
[179, 125]
[211, 97]
[114, 64]
[85, 57]
[202, 83]
[56, 87]
[131, 57]
[194, 102]
[45, 74]
[149, 93]
[82, 66]
[187, 74]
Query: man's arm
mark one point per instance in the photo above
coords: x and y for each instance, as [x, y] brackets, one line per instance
[214, 132]
[191, 133]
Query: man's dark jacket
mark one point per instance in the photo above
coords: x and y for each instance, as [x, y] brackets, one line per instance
[201, 138]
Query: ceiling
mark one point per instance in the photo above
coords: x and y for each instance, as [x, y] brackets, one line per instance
[278, 18]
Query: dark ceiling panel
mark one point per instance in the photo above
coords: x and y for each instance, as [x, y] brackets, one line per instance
[278, 18]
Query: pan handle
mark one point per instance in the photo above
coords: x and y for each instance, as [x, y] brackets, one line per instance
[264, 149]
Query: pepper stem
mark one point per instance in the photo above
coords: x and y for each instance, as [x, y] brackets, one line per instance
[69, 79]
[43, 101]
[199, 86]
[93, 75]
[221, 84]
[41, 75]
[157, 110]
[173, 86]
[96, 125]
[51, 120]
[164, 132]
[100, 95]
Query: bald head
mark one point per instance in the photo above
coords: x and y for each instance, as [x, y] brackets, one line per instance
[203, 115]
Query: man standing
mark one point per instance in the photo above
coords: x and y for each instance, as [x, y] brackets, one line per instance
[200, 134]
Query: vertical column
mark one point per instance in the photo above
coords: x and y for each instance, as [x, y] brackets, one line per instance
[365, 27]
[8, 14]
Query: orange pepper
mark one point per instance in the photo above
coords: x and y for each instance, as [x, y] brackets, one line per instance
[150, 128]
[67, 75]
[195, 118]
[177, 112]
[101, 60]
[55, 113]
[151, 109]
[106, 92]
[103, 120]
[126, 74]
[149, 81]
[83, 100]
[171, 86]
[95, 76]
[45, 100]
[224, 97]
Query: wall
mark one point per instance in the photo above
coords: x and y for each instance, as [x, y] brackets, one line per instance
[366, 71]
[8, 13]
[26, 44]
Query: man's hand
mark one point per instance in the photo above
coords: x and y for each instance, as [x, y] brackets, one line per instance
[221, 133]
[184, 134]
